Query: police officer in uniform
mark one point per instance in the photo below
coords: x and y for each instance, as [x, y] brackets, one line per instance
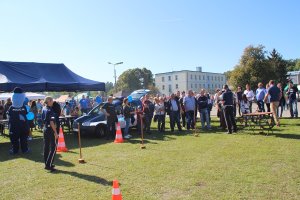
[50, 134]
[228, 103]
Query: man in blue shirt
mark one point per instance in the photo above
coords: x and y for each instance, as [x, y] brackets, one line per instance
[275, 94]
[83, 105]
[260, 95]
[189, 103]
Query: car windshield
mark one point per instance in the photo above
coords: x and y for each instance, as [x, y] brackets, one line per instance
[96, 110]
[137, 95]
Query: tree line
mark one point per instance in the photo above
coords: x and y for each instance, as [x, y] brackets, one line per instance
[258, 65]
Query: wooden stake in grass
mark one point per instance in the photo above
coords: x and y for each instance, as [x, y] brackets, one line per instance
[80, 160]
[142, 133]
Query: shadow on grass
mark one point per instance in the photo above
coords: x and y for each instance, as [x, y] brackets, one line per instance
[86, 177]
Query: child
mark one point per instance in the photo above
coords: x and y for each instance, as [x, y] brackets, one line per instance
[245, 105]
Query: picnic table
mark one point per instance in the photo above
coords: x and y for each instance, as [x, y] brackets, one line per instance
[262, 120]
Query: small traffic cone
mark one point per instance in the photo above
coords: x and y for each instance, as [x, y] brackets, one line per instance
[119, 138]
[61, 146]
[116, 192]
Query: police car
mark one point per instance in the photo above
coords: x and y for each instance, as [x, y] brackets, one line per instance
[95, 121]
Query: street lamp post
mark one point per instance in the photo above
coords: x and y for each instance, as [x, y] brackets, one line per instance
[115, 74]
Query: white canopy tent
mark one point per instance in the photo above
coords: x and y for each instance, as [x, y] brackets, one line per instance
[29, 95]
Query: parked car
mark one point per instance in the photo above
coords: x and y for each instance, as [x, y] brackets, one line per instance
[95, 121]
[138, 94]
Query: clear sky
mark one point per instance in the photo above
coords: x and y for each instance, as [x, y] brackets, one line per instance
[161, 35]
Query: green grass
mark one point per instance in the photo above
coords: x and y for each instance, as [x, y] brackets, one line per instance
[173, 166]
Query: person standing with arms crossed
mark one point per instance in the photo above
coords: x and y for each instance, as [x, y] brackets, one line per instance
[50, 134]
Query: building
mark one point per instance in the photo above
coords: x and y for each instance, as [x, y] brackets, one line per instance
[184, 80]
[294, 76]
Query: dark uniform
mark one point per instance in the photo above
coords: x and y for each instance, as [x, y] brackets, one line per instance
[18, 129]
[111, 120]
[50, 142]
[228, 99]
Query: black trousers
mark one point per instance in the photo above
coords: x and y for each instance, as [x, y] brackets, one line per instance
[229, 118]
[49, 146]
[111, 129]
[183, 116]
[161, 123]
[19, 138]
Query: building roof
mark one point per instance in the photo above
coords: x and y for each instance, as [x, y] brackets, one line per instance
[189, 71]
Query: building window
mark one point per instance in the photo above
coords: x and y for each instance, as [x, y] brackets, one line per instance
[208, 86]
[208, 78]
[221, 78]
[215, 78]
[176, 77]
[199, 77]
[195, 77]
[218, 78]
[163, 87]
[203, 85]
[200, 85]
[203, 77]
[170, 88]
[169, 78]
[195, 85]
[191, 85]
[191, 76]
[176, 86]
[163, 79]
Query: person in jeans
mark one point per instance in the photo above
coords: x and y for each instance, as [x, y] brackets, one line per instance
[291, 92]
[148, 113]
[260, 95]
[174, 112]
[250, 95]
[160, 113]
[281, 101]
[189, 103]
[202, 104]
[183, 113]
[275, 95]
[127, 117]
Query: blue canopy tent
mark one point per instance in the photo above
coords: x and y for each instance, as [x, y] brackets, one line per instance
[38, 77]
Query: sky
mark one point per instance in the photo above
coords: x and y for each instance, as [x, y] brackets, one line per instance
[161, 35]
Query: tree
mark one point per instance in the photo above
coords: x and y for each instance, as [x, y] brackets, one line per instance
[279, 66]
[252, 68]
[133, 79]
[109, 86]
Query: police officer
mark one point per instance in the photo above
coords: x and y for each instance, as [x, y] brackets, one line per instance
[228, 103]
[50, 134]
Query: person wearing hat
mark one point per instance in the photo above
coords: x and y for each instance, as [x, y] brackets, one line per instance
[18, 123]
[50, 134]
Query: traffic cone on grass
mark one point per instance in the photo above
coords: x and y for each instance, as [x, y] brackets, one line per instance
[116, 193]
[61, 146]
[119, 138]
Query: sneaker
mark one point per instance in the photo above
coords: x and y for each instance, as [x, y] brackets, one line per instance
[126, 137]
[29, 138]
[11, 152]
[51, 169]
[130, 136]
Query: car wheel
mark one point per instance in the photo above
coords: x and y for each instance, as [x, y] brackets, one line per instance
[100, 131]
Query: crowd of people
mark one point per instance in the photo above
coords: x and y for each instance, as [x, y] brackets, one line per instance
[183, 109]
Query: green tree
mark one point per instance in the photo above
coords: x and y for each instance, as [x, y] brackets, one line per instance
[133, 79]
[278, 65]
[252, 68]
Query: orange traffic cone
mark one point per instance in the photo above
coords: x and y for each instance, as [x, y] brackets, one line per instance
[119, 138]
[61, 146]
[116, 193]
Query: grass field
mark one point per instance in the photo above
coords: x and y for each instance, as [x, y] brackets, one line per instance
[173, 166]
